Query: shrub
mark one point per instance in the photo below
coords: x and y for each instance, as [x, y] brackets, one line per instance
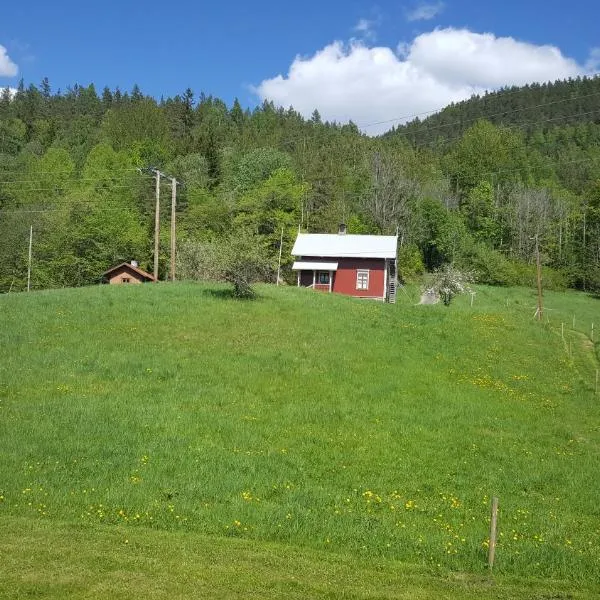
[199, 261]
[243, 260]
[410, 262]
[488, 265]
[239, 259]
[552, 279]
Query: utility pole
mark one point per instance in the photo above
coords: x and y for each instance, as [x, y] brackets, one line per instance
[29, 260]
[540, 307]
[157, 174]
[280, 249]
[173, 241]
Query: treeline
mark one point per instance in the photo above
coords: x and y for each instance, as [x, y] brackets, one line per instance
[74, 166]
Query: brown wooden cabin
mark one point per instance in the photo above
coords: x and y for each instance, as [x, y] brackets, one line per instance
[127, 273]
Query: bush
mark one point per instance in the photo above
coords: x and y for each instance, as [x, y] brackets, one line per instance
[199, 261]
[244, 262]
[239, 259]
[410, 262]
[552, 279]
[489, 266]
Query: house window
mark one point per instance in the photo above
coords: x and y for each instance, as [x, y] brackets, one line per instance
[125, 280]
[362, 280]
[323, 278]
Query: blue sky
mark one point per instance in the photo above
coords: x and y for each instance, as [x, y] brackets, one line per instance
[383, 51]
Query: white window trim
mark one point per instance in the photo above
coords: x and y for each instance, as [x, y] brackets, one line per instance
[360, 272]
[324, 273]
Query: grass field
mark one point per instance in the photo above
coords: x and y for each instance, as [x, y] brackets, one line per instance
[362, 441]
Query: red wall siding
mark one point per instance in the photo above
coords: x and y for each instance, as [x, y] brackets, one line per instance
[344, 280]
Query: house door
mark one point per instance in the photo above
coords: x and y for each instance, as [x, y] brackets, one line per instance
[306, 278]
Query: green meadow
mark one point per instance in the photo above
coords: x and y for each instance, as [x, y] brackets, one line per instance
[170, 441]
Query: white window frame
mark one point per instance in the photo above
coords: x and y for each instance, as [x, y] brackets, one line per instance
[328, 273]
[361, 283]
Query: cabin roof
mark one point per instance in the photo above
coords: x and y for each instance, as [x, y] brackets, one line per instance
[345, 245]
[129, 266]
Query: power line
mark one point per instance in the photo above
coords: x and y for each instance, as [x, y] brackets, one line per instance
[60, 188]
[104, 205]
[70, 172]
[74, 180]
[474, 120]
[110, 207]
[483, 98]
[65, 209]
[414, 116]
[426, 129]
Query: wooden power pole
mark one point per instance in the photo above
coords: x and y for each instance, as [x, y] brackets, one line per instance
[29, 259]
[540, 306]
[157, 224]
[173, 240]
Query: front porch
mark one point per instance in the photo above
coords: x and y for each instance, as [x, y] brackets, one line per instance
[316, 275]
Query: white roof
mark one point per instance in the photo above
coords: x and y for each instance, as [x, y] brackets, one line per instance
[345, 245]
[317, 265]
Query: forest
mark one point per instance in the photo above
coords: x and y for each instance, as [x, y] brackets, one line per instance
[478, 184]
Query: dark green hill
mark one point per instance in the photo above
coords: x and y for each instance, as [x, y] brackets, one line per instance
[532, 108]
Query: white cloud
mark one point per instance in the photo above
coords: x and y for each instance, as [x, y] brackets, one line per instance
[363, 25]
[425, 12]
[593, 63]
[370, 84]
[365, 28]
[459, 55]
[7, 67]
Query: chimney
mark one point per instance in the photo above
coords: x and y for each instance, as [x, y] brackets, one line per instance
[342, 229]
[134, 263]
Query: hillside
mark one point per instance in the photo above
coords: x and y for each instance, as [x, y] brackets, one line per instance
[531, 108]
[355, 436]
[76, 168]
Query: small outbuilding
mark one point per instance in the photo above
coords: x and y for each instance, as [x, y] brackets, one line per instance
[356, 265]
[127, 273]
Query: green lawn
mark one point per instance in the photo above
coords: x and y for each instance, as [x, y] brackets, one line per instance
[363, 440]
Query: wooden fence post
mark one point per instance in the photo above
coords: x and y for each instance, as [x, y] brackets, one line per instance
[493, 530]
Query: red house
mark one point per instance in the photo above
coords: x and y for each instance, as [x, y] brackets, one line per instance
[356, 265]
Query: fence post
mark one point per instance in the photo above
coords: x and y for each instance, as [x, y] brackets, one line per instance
[493, 530]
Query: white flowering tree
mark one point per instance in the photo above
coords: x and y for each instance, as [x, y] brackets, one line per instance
[448, 282]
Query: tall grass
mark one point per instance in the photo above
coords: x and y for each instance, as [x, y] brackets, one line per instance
[313, 420]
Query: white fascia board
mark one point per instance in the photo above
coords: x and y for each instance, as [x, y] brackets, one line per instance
[315, 265]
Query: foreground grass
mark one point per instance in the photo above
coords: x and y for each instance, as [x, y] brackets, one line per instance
[58, 560]
[322, 423]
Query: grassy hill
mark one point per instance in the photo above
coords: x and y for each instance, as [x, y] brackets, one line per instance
[169, 439]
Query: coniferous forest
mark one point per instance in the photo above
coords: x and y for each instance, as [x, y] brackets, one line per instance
[475, 184]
